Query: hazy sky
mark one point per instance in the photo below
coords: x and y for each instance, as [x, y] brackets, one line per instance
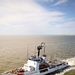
[37, 17]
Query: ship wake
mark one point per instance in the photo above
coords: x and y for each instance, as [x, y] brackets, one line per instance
[71, 62]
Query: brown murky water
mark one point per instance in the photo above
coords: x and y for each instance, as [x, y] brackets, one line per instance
[13, 49]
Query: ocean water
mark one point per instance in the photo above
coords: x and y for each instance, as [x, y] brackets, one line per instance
[14, 50]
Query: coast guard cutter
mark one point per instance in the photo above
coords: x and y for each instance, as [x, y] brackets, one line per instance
[37, 65]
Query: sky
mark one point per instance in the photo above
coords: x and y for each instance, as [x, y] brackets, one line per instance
[37, 17]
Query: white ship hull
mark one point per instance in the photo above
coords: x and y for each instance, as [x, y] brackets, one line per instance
[42, 71]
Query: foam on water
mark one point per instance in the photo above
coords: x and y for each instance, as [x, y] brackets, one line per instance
[71, 62]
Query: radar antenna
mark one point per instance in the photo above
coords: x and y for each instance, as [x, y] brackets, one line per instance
[40, 47]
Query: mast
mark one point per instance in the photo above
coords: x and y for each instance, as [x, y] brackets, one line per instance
[27, 51]
[40, 47]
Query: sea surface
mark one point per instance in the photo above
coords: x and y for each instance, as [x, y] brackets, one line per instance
[14, 50]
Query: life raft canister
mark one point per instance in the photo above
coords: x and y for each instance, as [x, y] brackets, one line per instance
[20, 74]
